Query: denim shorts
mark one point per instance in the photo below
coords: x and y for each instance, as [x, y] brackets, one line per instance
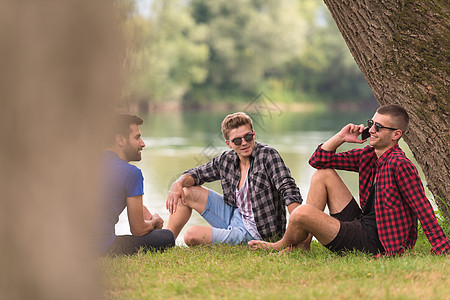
[226, 221]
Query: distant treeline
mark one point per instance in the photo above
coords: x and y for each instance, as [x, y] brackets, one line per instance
[199, 51]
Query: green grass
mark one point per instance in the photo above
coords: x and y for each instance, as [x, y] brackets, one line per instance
[236, 272]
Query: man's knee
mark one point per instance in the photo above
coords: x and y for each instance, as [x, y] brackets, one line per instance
[187, 195]
[322, 175]
[194, 236]
[189, 237]
[165, 237]
[195, 195]
[301, 214]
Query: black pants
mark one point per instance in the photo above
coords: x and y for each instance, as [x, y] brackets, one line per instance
[156, 240]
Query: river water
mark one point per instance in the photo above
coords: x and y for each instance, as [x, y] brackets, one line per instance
[177, 141]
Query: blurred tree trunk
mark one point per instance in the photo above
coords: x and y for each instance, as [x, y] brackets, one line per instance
[402, 49]
[58, 76]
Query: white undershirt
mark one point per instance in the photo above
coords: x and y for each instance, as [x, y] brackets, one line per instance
[245, 208]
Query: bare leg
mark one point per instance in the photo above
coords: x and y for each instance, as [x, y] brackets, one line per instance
[195, 198]
[179, 219]
[198, 235]
[327, 188]
[308, 220]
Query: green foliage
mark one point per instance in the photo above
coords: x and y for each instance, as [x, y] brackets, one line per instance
[167, 56]
[247, 39]
[441, 216]
[326, 68]
[203, 51]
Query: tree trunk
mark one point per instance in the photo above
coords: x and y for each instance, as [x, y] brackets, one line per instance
[402, 49]
[58, 68]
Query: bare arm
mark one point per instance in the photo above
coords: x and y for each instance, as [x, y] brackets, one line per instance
[292, 206]
[147, 214]
[140, 219]
[176, 192]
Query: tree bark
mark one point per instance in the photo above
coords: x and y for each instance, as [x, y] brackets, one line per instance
[402, 49]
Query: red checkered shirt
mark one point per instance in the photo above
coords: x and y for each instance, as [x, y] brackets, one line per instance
[399, 195]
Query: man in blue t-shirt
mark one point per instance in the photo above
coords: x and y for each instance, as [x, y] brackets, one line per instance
[123, 186]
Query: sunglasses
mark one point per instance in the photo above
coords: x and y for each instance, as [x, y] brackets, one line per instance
[238, 141]
[378, 126]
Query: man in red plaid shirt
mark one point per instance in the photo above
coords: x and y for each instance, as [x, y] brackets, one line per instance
[391, 195]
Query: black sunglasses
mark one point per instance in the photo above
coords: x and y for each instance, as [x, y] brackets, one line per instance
[378, 126]
[238, 141]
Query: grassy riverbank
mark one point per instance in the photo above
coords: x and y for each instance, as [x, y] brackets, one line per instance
[235, 272]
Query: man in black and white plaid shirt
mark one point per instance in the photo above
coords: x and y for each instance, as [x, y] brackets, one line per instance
[257, 186]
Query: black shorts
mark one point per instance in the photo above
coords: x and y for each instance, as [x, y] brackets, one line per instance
[352, 234]
[156, 240]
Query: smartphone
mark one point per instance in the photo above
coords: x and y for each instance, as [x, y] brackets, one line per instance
[365, 134]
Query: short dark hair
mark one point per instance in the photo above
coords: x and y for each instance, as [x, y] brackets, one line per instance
[120, 124]
[234, 121]
[400, 118]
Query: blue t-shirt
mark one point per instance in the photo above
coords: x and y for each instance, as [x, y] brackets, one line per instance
[120, 180]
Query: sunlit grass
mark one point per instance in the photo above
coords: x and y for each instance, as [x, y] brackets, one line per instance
[236, 272]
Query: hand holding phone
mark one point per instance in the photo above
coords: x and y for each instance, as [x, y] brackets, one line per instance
[365, 134]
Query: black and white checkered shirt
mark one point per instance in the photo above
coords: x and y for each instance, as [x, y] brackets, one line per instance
[271, 186]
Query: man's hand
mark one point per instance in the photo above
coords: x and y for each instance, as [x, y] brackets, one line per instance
[157, 221]
[176, 193]
[348, 134]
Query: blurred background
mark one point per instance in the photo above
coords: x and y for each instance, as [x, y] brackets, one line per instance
[190, 63]
[218, 54]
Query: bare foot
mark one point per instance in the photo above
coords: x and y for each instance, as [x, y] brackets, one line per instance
[288, 250]
[283, 251]
[302, 246]
[256, 244]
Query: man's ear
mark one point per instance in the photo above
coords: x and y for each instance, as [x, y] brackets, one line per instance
[228, 144]
[120, 140]
[397, 134]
